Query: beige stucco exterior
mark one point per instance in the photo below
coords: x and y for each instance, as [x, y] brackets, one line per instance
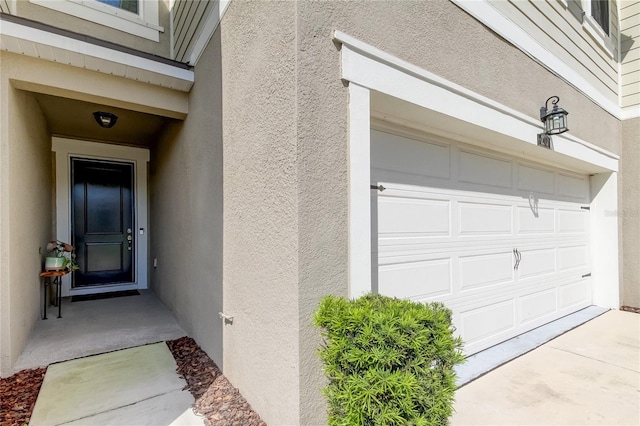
[298, 246]
[438, 37]
[261, 216]
[26, 218]
[630, 213]
[249, 195]
[27, 211]
[186, 210]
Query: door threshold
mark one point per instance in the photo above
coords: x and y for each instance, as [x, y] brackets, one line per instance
[103, 289]
[481, 363]
[110, 295]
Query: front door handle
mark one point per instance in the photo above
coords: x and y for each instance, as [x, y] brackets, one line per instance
[129, 242]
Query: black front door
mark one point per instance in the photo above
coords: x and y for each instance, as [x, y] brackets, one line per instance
[102, 221]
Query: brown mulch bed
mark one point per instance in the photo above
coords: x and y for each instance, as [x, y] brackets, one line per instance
[19, 393]
[630, 309]
[216, 399]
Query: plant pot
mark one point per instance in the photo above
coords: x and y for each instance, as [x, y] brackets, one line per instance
[54, 263]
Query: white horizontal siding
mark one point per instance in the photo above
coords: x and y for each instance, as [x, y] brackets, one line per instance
[556, 29]
[630, 46]
[188, 17]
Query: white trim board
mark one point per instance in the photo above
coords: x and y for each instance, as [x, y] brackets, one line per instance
[37, 43]
[630, 113]
[472, 117]
[489, 16]
[375, 69]
[139, 157]
[359, 200]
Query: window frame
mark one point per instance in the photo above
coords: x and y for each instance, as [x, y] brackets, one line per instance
[145, 24]
[606, 10]
[137, 3]
[595, 30]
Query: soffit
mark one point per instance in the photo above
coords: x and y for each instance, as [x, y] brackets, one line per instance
[73, 118]
[39, 41]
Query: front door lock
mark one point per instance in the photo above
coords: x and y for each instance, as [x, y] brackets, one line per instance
[129, 240]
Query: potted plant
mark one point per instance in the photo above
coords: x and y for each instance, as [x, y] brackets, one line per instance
[60, 257]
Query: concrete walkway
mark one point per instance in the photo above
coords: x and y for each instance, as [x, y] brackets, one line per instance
[136, 386]
[590, 375]
[98, 326]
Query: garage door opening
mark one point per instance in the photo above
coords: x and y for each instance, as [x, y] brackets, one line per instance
[502, 241]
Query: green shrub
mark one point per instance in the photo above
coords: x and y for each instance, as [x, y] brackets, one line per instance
[388, 361]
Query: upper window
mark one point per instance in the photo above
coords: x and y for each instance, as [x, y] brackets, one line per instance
[600, 13]
[135, 17]
[130, 5]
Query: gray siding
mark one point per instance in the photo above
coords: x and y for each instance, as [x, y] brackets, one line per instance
[630, 47]
[559, 31]
[188, 18]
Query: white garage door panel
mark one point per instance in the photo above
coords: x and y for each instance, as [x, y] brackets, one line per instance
[482, 169]
[537, 262]
[538, 305]
[575, 294]
[572, 221]
[483, 270]
[413, 217]
[484, 219]
[416, 280]
[447, 225]
[407, 156]
[487, 321]
[536, 180]
[542, 223]
[573, 257]
[573, 187]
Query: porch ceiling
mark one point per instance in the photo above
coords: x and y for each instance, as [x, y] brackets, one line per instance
[73, 118]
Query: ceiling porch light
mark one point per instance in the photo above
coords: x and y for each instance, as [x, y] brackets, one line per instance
[105, 119]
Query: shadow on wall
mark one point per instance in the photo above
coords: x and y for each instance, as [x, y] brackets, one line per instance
[186, 209]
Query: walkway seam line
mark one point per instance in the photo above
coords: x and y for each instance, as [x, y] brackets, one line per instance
[117, 408]
[594, 359]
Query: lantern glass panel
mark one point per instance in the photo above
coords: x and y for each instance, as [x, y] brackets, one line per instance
[556, 123]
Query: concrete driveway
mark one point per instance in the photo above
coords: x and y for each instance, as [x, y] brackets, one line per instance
[590, 375]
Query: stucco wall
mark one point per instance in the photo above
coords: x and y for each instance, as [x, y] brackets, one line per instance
[630, 212]
[260, 206]
[26, 225]
[5, 331]
[437, 36]
[186, 209]
[441, 38]
[57, 19]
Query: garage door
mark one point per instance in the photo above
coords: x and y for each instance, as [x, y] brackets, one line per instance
[502, 241]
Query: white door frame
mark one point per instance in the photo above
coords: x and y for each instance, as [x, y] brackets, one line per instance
[65, 149]
[368, 69]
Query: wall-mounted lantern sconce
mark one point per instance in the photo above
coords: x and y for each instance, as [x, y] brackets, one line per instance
[555, 121]
[105, 119]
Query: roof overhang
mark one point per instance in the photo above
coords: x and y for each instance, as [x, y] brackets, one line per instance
[37, 40]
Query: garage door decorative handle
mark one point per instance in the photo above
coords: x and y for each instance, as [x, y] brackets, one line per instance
[518, 257]
[379, 187]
